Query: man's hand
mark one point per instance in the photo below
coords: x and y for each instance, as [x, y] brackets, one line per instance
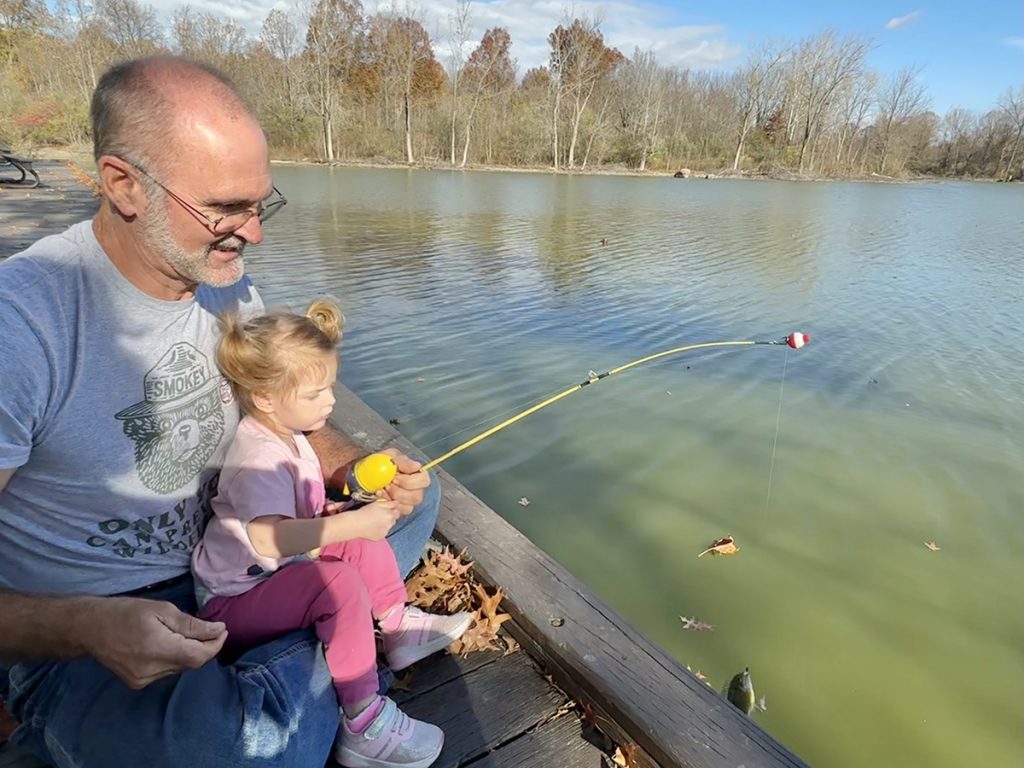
[143, 640]
[408, 486]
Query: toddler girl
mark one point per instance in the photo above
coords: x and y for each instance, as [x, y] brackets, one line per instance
[255, 568]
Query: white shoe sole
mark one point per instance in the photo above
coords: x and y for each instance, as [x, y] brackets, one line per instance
[349, 759]
[409, 656]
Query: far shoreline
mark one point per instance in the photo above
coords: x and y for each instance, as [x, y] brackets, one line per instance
[83, 157]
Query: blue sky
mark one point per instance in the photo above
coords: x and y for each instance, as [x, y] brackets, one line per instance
[970, 52]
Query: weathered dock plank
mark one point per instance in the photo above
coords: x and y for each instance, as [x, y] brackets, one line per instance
[555, 744]
[426, 676]
[487, 707]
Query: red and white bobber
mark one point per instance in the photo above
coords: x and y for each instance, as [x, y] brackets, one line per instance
[797, 339]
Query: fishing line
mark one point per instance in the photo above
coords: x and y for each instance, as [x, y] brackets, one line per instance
[778, 421]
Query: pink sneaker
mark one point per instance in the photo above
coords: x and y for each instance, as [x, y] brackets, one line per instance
[421, 634]
[391, 740]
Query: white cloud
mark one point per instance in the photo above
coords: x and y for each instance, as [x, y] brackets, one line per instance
[1016, 42]
[901, 21]
[627, 25]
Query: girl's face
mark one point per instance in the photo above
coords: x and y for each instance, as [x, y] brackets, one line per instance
[308, 406]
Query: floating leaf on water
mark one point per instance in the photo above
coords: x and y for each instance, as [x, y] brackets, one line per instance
[723, 546]
[695, 625]
[933, 546]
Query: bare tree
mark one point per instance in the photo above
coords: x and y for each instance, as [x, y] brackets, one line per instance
[640, 95]
[823, 65]
[1011, 104]
[900, 100]
[855, 102]
[458, 36]
[332, 27]
[133, 27]
[756, 83]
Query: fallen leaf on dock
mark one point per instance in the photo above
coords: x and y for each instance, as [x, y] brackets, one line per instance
[699, 675]
[524, 502]
[625, 756]
[696, 626]
[933, 546]
[723, 546]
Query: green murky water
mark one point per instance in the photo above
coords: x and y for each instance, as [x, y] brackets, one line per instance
[900, 424]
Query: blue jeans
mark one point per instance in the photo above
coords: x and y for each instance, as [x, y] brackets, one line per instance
[275, 706]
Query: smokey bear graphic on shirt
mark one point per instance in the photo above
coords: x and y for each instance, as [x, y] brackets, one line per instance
[180, 423]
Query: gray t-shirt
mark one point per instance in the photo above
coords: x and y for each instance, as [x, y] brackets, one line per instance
[114, 415]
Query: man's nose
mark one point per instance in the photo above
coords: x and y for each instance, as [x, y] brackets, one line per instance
[251, 231]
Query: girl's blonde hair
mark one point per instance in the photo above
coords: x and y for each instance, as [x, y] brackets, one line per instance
[275, 352]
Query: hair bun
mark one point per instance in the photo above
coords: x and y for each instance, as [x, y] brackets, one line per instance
[326, 315]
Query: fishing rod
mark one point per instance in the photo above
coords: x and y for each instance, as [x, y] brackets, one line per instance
[376, 471]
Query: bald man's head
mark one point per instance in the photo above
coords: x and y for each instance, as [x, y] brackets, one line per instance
[140, 106]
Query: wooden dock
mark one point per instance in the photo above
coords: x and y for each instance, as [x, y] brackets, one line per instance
[518, 709]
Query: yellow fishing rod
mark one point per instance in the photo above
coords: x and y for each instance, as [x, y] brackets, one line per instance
[376, 471]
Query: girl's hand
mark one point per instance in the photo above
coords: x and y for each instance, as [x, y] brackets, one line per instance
[333, 508]
[376, 518]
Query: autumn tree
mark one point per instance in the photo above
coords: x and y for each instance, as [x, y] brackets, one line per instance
[489, 73]
[401, 49]
[579, 62]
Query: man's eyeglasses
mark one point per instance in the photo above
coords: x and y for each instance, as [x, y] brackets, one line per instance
[229, 222]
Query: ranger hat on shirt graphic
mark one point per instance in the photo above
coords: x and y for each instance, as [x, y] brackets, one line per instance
[180, 423]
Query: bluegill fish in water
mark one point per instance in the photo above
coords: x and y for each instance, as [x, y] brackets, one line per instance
[740, 693]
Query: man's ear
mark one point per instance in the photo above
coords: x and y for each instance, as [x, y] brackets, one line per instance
[120, 184]
[262, 402]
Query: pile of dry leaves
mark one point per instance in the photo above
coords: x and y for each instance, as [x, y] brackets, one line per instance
[444, 583]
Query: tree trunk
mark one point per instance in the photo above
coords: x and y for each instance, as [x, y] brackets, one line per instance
[408, 131]
[554, 124]
[452, 154]
[329, 138]
[465, 148]
[739, 144]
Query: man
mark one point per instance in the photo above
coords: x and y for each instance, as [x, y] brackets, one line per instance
[113, 423]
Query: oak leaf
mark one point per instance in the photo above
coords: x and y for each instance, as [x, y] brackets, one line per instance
[696, 626]
[723, 546]
[625, 756]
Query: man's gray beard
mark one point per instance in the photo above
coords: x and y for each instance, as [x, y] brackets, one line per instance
[194, 266]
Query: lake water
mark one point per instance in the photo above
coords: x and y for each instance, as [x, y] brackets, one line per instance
[471, 295]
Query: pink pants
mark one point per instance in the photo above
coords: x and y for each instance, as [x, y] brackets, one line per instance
[339, 595]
